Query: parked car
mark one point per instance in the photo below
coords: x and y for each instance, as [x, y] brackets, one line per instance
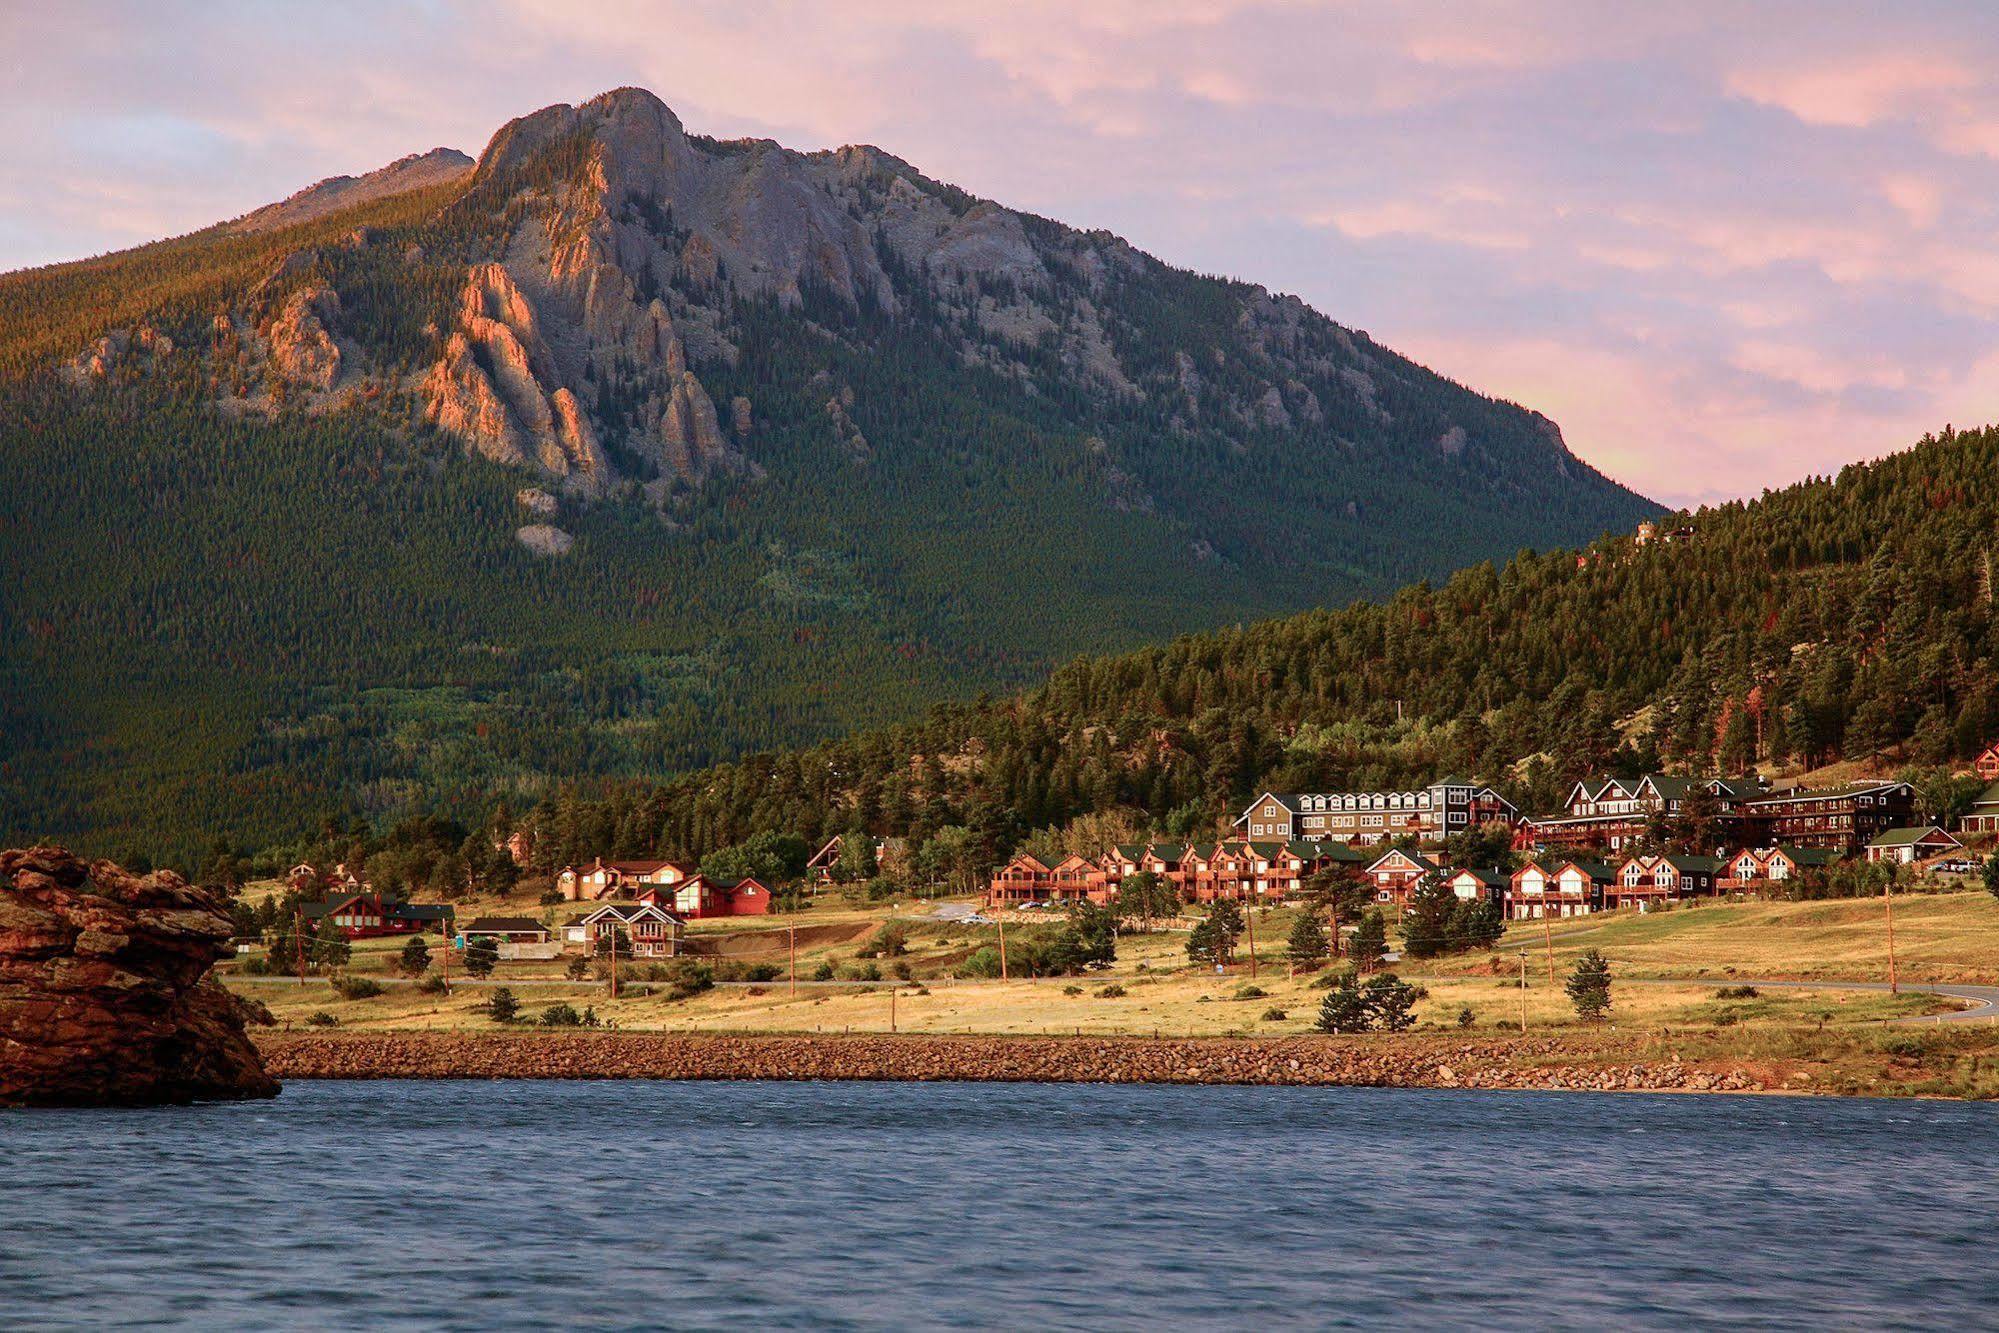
[1957, 865]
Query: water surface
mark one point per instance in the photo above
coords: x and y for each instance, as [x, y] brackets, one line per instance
[541, 1204]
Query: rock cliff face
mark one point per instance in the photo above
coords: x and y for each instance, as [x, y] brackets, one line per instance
[105, 993]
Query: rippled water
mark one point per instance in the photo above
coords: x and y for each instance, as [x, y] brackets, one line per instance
[536, 1204]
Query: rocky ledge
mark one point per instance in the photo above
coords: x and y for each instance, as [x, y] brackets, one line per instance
[1359, 1062]
[105, 992]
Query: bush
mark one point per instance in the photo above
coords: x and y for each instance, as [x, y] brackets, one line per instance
[481, 957]
[349, 987]
[762, 972]
[1111, 992]
[250, 965]
[1466, 1017]
[686, 978]
[561, 1016]
[1072, 990]
[415, 959]
[322, 1019]
[430, 983]
[1344, 1009]
[501, 1006]
[1274, 1015]
[578, 969]
[984, 962]
[823, 972]
[868, 972]
[901, 971]
[1251, 993]
[1737, 993]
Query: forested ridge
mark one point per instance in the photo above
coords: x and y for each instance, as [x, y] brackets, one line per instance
[1846, 617]
[234, 605]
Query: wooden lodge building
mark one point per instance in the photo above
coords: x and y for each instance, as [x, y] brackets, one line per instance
[1265, 871]
[1612, 813]
[367, 915]
[1357, 817]
[1553, 887]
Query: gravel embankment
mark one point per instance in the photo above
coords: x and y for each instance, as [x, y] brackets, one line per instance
[1361, 1062]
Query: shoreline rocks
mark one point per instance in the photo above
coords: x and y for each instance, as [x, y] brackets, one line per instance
[106, 996]
[1301, 1061]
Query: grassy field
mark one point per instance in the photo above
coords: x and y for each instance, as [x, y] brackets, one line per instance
[1152, 988]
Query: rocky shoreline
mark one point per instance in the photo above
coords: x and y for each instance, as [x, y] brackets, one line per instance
[1533, 1063]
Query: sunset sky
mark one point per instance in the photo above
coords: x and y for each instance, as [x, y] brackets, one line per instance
[1722, 252]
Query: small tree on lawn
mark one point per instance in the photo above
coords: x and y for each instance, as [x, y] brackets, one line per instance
[1145, 898]
[1307, 944]
[329, 947]
[1370, 942]
[578, 969]
[1340, 891]
[501, 1006]
[1390, 1003]
[1213, 941]
[481, 957]
[1589, 987]
[1426, 926]
[416, 957]
[1992, 872]
[1344, 1009]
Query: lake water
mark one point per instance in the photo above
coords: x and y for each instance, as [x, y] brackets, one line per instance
[542, 1204]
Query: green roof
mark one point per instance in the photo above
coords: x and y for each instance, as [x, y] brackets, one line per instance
[1907, 837]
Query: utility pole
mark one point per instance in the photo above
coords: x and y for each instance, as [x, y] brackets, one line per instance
[1249, 920]
[1523, 989]
[614, 959]
[1888, 907]
[1002, 930]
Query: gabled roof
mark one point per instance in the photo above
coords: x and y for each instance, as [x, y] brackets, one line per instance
[1420, 861]
[1807, 856]
[1909, 837]
[1828, 793]
[1490, 878]
[623, 911]
[1596, 870]
[1696, 865]
[1990, 796]
[1168, 851]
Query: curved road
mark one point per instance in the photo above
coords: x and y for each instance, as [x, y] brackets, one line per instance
[1980, 1002]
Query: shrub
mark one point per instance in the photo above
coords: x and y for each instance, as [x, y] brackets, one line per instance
[1466, 1017]
[250, 965]
[430, 983]
[322, 1019]
[901, 970]
[1737, 993]
[1111, 992]
[415, 959]
[1251, 993]
[984, 962]
[1072, 990]
[1274, 1015]
[763, 972]
[578, 969]
[501, 1006]
[823, 972]
[561, 1016]
[685, 978]
[349, 987]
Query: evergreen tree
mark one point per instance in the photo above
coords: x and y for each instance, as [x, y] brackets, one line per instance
[501, 1006]
[1213, 940]
[481, 957]
[1340, 891]
[1426, 925]
[1589, 987]
[329, 947]
[1992, 872]
[1369, 944]
[1307, 945]
[415, 960]
[1344, 1009]
[1390, 1003]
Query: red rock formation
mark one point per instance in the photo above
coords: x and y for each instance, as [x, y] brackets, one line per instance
[105, 992]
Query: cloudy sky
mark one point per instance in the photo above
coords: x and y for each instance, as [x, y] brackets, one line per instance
[1724, 250]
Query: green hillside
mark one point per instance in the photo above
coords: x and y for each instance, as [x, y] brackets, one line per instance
[1842, 618]
[954, 446]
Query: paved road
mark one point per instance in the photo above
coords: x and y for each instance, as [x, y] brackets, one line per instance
[1981, 1003]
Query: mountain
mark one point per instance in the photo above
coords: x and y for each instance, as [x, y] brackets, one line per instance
[1847, 619]
[624, 450]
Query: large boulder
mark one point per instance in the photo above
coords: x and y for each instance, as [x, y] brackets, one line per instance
[105, 992]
